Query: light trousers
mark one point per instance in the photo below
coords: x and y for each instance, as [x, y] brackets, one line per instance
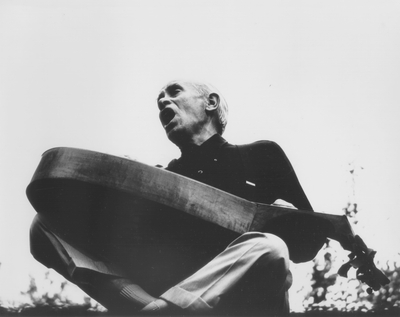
[250, 276]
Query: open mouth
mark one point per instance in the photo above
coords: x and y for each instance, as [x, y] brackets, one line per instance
[166, 116]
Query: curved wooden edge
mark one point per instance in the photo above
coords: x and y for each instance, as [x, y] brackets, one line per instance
[148, 182]
[337, 226]
[189, 196]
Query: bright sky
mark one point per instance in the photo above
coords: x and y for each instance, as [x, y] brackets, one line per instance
[321, 78]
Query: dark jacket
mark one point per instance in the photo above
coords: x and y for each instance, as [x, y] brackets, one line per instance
[258, 172]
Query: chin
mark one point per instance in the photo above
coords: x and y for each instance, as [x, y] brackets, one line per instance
[176, 137]
[173, 136]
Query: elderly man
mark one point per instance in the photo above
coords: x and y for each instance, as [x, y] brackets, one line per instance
[251, 275]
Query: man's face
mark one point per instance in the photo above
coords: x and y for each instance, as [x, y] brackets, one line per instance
[182, 112]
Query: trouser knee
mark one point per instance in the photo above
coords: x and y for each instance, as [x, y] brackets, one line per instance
[263, 288]
[272, 256]
[46, 249]
[265, 244]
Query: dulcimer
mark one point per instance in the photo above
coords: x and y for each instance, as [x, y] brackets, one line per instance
[89, 196]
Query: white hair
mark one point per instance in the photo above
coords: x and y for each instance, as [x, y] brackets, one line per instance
[205, 90]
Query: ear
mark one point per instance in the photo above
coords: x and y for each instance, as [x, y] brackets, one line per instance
[213, 102]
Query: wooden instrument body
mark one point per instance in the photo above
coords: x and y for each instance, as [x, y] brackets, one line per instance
[112, 207]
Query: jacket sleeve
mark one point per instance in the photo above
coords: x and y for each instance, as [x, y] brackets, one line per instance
[288, 185]
[268, 167]
[274, 177]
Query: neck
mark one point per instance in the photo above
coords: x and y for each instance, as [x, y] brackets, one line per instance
[193, 135]
[200, 139]
[196, 139]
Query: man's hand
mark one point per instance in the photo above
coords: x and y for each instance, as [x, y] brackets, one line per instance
[155, 307]
[283, 203]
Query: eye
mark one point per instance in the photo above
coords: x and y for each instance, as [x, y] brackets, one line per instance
[174, 90]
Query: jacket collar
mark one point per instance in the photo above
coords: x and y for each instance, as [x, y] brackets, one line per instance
[211, 145]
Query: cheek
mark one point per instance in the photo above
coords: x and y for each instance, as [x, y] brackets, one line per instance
[192, 110]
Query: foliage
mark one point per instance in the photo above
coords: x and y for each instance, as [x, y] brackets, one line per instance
[52, 301]
[389, 295]
[331, 292]
[321, 280]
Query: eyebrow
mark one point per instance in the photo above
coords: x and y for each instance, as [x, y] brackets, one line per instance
[169, 89]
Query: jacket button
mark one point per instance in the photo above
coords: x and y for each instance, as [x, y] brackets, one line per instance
[200, 171]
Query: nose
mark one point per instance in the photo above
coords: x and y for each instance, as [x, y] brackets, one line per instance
[163, 102]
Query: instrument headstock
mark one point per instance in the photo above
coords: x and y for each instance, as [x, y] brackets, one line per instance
[362, 259]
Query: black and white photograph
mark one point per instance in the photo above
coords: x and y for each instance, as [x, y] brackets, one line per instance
[199, 157]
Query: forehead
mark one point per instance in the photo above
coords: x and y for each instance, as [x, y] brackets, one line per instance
[178, 84]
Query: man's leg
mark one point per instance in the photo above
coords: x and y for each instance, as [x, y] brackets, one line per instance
[256, 263]
[260, 291]
[94, 277]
